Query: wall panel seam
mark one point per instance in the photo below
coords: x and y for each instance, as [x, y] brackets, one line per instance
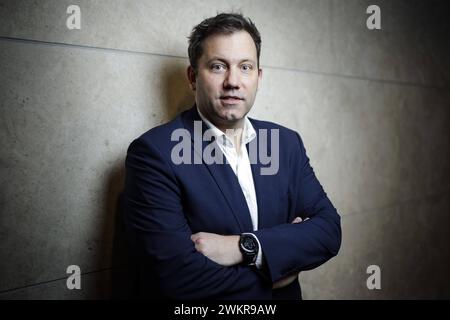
[297, 70]
[53, 280]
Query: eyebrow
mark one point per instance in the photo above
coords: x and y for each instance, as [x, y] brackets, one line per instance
[226, 61]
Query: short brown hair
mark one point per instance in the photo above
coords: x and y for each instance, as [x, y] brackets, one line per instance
[223, 23]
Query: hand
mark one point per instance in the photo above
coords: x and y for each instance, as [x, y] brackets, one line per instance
[223, 250]
[285, 281]
[288, 280]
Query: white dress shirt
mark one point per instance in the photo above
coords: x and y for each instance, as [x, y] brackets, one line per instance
[240, 164]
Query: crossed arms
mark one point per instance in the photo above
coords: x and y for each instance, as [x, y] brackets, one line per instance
[224, 250]
[206, 265]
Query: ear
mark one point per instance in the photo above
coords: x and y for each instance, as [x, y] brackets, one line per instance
[260, 73]
[191, 77]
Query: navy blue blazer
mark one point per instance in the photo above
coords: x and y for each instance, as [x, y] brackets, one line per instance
[165, 203]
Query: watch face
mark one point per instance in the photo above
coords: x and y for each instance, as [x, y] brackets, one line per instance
[249, 243]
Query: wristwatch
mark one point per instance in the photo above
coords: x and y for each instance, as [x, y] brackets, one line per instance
[248, 244]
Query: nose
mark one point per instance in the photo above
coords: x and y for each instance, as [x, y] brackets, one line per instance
[232, 79]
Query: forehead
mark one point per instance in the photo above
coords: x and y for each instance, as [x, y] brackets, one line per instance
[235, 46]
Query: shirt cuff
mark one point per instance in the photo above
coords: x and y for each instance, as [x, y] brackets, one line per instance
[259, 257]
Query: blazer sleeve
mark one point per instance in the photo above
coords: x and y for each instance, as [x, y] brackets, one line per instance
[291, 248]
[154, 217]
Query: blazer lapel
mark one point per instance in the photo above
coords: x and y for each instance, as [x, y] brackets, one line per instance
[222, 173]
[264, 189]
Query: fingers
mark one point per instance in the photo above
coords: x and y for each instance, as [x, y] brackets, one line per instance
[297, 220]
[285, 281]
[195, 236]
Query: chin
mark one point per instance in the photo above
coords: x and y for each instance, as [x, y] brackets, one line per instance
[236, 111]
[233, 116]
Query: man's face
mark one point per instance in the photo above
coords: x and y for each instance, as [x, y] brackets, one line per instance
[227, 78]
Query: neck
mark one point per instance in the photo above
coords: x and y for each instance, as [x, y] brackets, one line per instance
[234, 127]
[233, 130]
[235, 135]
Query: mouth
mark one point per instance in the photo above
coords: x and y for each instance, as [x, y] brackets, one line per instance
[228, 99]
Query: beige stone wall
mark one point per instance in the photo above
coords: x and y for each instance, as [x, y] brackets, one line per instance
[372, 107]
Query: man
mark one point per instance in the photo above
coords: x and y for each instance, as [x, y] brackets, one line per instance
[225, 229]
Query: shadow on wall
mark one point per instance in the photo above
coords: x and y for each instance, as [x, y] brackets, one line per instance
[122, 281]
[175, 90]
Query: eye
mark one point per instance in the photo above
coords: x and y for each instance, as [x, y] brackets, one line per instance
[218, 67]
[246, 67]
